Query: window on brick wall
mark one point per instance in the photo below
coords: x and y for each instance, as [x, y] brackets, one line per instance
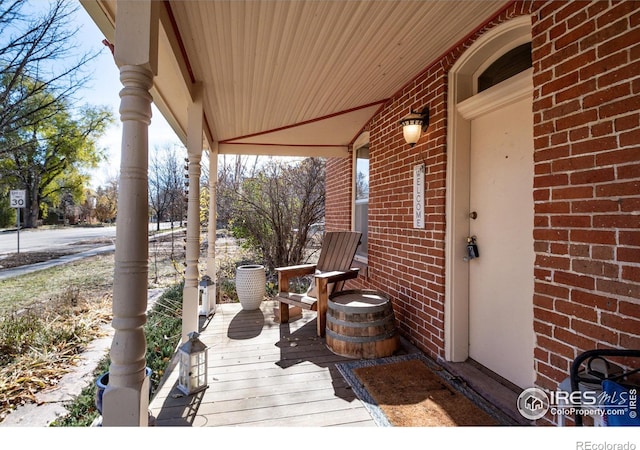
[361, 189]
[511, 63]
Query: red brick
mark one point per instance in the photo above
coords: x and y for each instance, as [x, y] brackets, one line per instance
[573, 163]
[572, 221]
[624, 324]
[560, 179]
[602, 252]
[575, 35]
[604, 33]
[627, 122]
[576, 310]
[629, 309]
[551, 235]
[594, 300]
[594, 145]
[575, 120]
[559, 83]
[565, 335]
[629, 341]
[594, 236]
[603, 96]
[571, 279]
[614, 287]
[618, 189]
[594, 206]
[551, 290]
[619, 156]
[596, 268]
[617, 75]
[602, 128]
[627, 254]
[622, 41]
[579, 250]
[594, 331]
[631, 273]
[630, 238]
[552, 154]
[553, 262]
[616, 221]
[630, 138]
[604, 66]
[555, 347]
[622, 106]
[600, 175]
[554, 207]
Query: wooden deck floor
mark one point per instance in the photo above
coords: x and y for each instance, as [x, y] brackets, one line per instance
[262, 373]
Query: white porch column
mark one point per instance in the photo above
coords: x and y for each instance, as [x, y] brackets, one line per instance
[212, 229]
[194, 149]
[126, 398]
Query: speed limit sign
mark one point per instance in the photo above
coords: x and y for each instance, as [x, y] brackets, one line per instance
[18, 198]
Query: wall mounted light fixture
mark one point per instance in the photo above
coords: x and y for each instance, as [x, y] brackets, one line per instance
[414, 125]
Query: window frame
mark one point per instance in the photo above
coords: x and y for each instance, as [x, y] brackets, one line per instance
[361, 142]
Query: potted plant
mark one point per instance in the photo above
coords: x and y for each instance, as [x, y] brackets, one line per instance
[251, 285]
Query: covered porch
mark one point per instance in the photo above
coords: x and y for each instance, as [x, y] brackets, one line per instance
[276, 78]
[265, 374]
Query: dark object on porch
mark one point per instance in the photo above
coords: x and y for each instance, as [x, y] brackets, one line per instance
[330, 273]
[361, 324]
[598, 370]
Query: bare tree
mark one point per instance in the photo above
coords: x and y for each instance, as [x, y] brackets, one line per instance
[36, 59]
[275, 209]
[166, 185]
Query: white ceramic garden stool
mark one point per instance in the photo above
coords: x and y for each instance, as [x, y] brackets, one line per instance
[251, 285]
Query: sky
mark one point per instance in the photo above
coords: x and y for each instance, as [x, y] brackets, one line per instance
[103, 89]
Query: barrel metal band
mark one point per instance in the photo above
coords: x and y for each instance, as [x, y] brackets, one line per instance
[367, 324]
[357, 310]
[360, 339]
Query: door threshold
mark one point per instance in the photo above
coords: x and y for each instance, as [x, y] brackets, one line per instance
[492, 387]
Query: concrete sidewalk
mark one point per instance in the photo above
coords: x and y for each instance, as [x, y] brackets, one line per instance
[17, 271]
[22, 270]
[50, 403]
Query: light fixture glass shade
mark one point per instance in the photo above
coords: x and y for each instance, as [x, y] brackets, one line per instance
[412, 129]
[414, 124]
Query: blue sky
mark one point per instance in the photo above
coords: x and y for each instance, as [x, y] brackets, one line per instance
[103, 89]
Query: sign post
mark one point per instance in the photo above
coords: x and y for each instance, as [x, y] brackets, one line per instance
[17, 199]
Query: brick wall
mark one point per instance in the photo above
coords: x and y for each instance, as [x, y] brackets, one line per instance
[339, 186]
[587, 183]
[586, 58]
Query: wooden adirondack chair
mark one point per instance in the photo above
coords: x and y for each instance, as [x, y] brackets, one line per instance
[330, 273]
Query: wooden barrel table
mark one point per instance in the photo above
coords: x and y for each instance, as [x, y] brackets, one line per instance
[361, 324]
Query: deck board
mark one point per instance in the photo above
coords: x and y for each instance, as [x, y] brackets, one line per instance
[262, 373]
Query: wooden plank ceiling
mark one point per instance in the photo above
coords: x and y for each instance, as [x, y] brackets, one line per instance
[296, 77]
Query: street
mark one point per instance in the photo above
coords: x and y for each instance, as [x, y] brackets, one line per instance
[57, 239]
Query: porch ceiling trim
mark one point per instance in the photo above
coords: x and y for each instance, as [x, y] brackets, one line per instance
[295, 78]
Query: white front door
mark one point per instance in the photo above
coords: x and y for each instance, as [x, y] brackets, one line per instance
[501, 335]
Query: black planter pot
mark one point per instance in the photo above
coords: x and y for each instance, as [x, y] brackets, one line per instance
[103, 381]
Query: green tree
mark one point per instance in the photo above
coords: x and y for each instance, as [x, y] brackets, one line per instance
[51, 156]
[273, 211]
[39, 65]
[7, 213]
[107, 201]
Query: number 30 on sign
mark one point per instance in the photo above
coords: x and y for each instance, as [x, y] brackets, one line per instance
[17, 198]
